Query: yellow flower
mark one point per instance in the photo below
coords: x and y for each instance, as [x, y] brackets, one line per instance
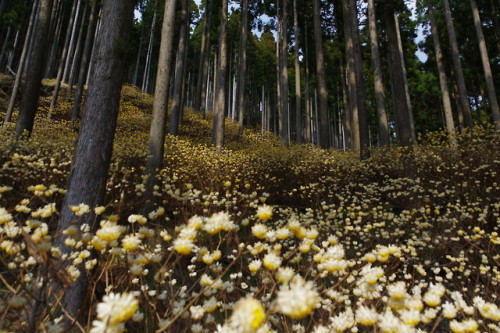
[115, 308]
[259, 231]
[264, 212]
[248, 316]
[110, 231]
[297, 299]
[183, 246]
[131, 242]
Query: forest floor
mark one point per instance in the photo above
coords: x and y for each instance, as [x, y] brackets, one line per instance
[302, 239]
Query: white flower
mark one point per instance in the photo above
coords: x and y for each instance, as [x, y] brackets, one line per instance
[297, 299]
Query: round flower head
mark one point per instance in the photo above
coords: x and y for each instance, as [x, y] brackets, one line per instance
[117, 308]
[264, 212]
[297, 299]
[248, 316]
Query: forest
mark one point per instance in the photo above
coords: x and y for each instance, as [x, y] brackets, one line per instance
[249, 166]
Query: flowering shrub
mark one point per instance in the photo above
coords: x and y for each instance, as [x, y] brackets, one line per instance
[257, 239]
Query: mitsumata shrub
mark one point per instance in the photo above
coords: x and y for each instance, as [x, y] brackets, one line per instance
[260, 238]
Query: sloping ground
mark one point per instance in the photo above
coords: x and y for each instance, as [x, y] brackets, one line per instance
[342, 245]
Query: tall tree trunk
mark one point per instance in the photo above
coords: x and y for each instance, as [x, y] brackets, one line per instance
[383, 125]
[364, 138]
[29, 102]
[405, 76]
[492, 97]
[284, 74]
[457, 66]
[397, 81]
[20, 68]
[306, 92]
[324, 125]
[242, 67]
[298, 96]
[95, 141]
[204, 55]
[352, 108]
[78, 52]
[160, 103]
[87, 50]
[180, 66]
[445, 94]
[72, 43]
[149, 54]
[220, 82]
[64, 57]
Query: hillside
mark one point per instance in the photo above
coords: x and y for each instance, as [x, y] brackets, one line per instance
[304, 239]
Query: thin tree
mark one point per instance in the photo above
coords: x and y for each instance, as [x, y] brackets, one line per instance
[298, 94]
[324, 126]
[20, 67]
[457, 65]
[364, 141]
[242, 67]
[283, 60]
[87, 50]
[29, 102]
[89, 170]
[490, 85]
[352, 106]
[445, 94]
[180, 66]
[64, 57]
[204, 58]
[220, 82]
[400, 102]
[157, 130]
[383, 127]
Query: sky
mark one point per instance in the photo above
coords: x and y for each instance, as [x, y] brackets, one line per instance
[411, 4]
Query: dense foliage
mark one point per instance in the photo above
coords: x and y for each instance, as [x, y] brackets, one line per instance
[300, 239]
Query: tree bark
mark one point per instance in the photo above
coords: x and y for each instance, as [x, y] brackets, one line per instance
[220, 82]
[20, 68]
[445, 94]
[383, 127]
[324, 137]
[284, 112]
[64, 57]
[352, 108]
[490, 85]
[160, 103]
[87, 50]
[180, 66]
[89, 170]
[298, 95]
[397, 81]
[457, 65]
[242, 67]
[364, 139]
[29, 102]
[204, 55]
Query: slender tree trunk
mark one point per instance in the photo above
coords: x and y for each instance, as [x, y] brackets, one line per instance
[351, 77]
[87, 50]
[78, 52]
[306, 93]
[405, 76]
[397, 81]
[180, 66]
[204, 55]
[220, 83]
[72, 43]
[160, 103]
[95, 141]
[445, 94]
[324, 141]
[364, 139]
[242, 67]
[298, 94]
[138, 60]
[284, 114]
[490, 85]
[29, 102]
[56, 28]
[64, 57]
[383, 127]
[20, 68]
[149, 54]
[457, 65]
